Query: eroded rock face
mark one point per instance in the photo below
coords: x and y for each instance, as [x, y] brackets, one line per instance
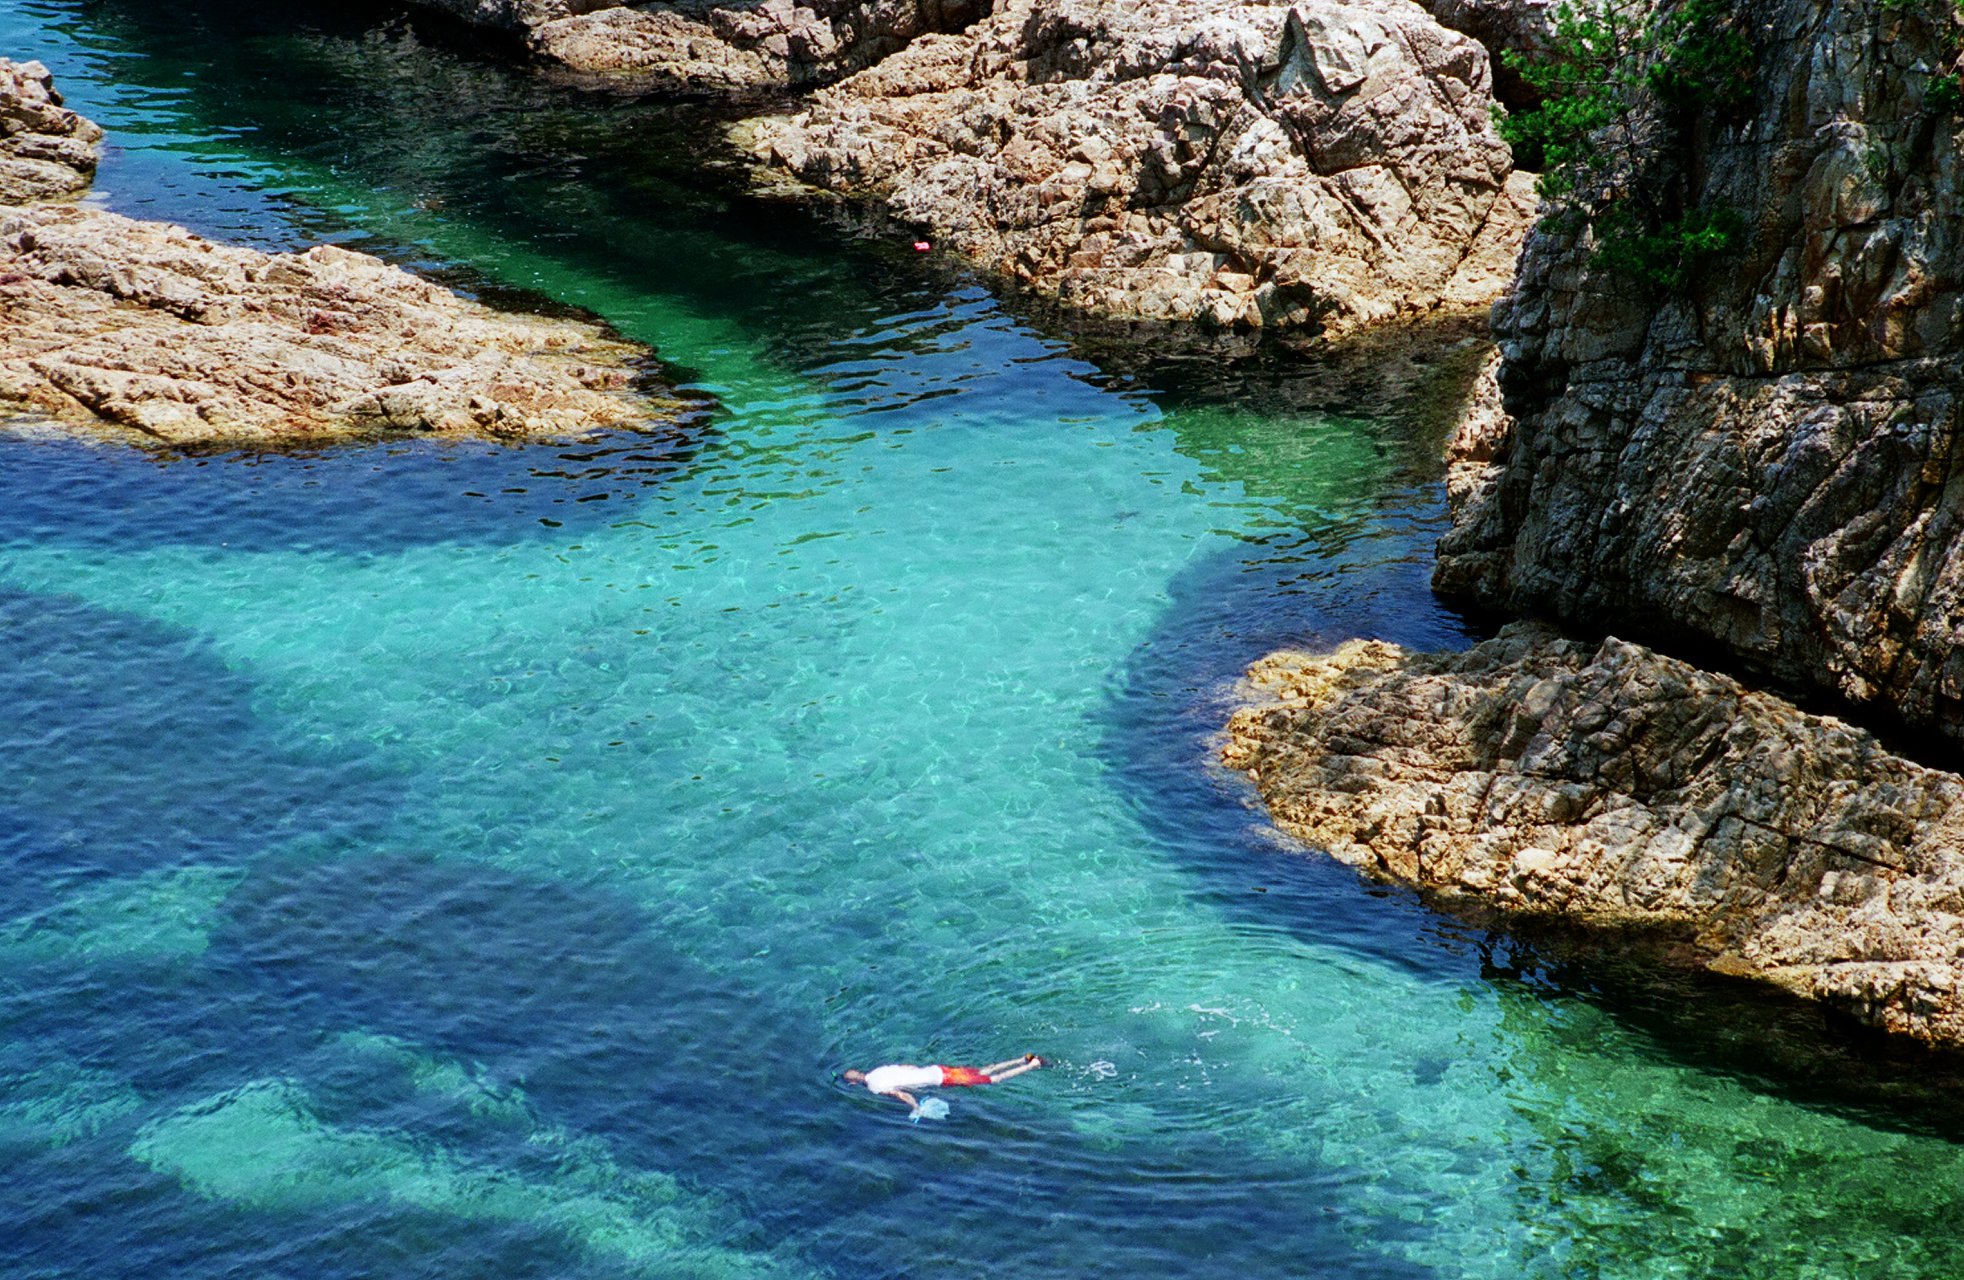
[47, 152]
[713, 46]
[1769, 462]
[1614, 786]
[144, 326]
[1525, 27]
[704, 46]
[110, 322]
[1309, 165]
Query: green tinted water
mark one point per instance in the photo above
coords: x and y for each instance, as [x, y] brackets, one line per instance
[479, 861]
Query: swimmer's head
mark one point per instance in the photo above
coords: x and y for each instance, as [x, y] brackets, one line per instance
[855, 1077]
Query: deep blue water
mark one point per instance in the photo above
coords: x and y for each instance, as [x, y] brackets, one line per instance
[465, 860]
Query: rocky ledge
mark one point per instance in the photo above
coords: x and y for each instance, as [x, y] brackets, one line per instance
[1314, 165]
[47, 152]
[1616, 787]
[712, 46]
[147, 328]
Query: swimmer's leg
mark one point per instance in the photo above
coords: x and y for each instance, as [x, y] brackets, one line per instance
[1002, 1071]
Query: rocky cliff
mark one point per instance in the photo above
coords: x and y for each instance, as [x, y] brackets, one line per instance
[1311, 165]
[1763, 464]
[1754, 462]
[147, 329]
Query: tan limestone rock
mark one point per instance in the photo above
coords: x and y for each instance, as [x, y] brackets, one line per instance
[47, 152]
[1612, 786]
[712, 46]
[1318, 166]
[144, 326]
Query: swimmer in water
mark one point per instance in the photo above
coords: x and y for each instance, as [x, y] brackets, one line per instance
[895, 1080]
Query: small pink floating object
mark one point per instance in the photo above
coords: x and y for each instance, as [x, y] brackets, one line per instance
[922, 246]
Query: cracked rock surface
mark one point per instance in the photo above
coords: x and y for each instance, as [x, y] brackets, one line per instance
[1765, 465]
[47, 152]
[145, 326]
[713, 46]
[1614, 786]
[1316, 165]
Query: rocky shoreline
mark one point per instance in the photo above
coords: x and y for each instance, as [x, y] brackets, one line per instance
[1756, 467]
[148, 331]
[728, 48]
[1614, 787]
[1321, 167]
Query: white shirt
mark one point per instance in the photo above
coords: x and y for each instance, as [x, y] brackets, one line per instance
[900, 1076]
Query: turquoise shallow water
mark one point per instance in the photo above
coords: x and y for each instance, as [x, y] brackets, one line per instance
[454, 860]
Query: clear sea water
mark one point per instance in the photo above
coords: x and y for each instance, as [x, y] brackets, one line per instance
[455, 860]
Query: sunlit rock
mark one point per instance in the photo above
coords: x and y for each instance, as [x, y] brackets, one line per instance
[1614, 787]
[1325, 166]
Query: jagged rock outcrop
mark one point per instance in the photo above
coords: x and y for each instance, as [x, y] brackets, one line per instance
[713, 46]
[1766, 464]
[1315, 165]
[47, 152]
[1525, 27]
[1615, 787]
[106, 320]
[110, 322]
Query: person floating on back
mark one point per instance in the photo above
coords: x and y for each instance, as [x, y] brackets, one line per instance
[895, 1079]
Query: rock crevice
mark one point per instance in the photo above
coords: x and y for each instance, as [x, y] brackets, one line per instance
[1763, 464]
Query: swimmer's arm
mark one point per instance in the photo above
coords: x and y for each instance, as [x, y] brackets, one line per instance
[903, 1095]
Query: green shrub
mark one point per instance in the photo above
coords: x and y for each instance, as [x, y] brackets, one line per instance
[1621, 85]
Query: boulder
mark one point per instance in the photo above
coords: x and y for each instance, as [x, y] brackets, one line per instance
[47, 152]
[1317, 166]
[1626, 791]
[1503, 27]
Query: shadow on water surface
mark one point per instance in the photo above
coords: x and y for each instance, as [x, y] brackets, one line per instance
[133, 748]
[357, 497]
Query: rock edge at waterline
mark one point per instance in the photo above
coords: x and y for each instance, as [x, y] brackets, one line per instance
[727, 47]
[1613, 786]
[106, 321]
[1314, 166]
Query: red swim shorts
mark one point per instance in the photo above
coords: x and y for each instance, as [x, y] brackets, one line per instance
[963, 1075]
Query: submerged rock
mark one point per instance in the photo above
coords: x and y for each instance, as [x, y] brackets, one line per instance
[1313, 165]
[1763, 463]
[1616, 787]
[47, 152]
[148, 327]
